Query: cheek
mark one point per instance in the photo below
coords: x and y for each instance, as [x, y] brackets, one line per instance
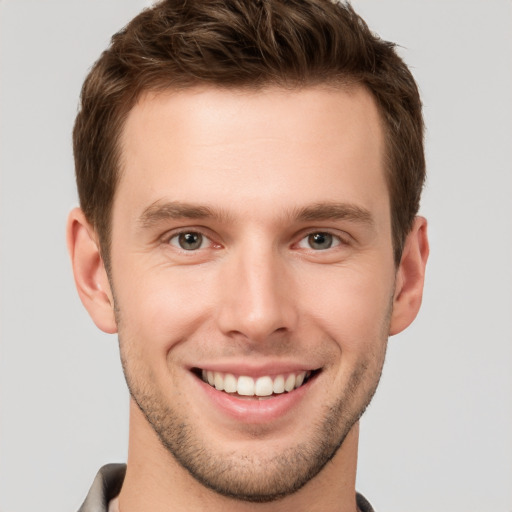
[161, 308]
[354, 309]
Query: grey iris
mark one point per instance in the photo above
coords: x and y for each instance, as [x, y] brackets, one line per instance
[320, 241]
[190, 241]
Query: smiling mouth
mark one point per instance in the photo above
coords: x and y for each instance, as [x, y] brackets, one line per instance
[260, 387]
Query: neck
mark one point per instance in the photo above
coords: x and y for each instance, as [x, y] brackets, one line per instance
[156, 481]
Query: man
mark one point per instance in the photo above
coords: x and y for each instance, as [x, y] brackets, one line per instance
[249, 175]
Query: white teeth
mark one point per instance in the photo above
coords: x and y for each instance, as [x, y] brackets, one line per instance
[279, 384]
[289, 383]
[264, 386]
[247, 386]
[218, 381]
[230, 383]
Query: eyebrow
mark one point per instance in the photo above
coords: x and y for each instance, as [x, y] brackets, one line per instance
[334, 211]
[175, 210]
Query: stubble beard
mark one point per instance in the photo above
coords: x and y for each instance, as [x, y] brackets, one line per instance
[246, 476]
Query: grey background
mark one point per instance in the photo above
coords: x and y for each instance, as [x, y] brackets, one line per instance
[438, 436]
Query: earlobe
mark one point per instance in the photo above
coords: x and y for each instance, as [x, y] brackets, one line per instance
[89, 271]
[410, 277]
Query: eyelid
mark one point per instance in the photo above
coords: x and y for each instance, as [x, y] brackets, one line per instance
[173, 233]
[342, 237]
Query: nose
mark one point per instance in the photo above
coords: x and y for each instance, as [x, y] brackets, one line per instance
[257, 295]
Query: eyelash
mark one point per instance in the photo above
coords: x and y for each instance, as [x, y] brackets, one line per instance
[336, 240]
[177, 235]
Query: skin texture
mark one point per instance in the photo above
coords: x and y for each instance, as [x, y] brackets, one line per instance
[255, 174]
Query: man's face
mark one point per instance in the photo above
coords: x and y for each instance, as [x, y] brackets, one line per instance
[251, 246]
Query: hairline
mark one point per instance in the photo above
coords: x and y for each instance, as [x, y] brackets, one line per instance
[346, 82]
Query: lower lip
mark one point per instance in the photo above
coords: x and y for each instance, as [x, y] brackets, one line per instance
[253, 410]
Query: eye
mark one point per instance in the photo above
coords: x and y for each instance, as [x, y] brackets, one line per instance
[319, 241]
[189, 241]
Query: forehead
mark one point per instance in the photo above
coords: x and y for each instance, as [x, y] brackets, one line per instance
[246, 148]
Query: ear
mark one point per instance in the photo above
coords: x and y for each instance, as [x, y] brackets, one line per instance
[90, 275]
[410, 277]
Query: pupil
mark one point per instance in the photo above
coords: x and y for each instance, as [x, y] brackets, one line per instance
[190, 241]
[320, 241]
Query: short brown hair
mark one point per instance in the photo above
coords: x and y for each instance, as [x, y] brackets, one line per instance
[178, 44]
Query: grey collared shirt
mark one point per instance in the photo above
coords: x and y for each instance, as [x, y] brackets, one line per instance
[106, 486]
